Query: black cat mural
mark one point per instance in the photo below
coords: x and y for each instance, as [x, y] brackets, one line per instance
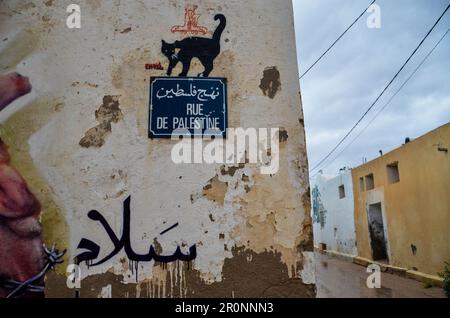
[206, 50]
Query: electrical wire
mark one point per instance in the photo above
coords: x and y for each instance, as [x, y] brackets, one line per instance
[381, 94]
[389, 102]
[337, 40]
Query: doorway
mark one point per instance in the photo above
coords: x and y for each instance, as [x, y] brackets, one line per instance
[377, 233]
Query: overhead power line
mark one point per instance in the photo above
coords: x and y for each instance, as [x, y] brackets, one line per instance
[337, 40]
[381, 94]
[390, 100]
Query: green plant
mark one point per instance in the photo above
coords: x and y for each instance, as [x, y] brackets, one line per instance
[446, 276]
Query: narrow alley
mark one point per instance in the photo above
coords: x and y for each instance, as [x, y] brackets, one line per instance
[337, 278]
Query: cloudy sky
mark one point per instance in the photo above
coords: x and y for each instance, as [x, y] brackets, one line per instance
[344, 84]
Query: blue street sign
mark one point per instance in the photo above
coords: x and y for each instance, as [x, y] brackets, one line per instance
[195, 105]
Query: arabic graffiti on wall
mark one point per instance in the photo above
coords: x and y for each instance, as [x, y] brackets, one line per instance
[123, 243]
[190, 25]
[202, 95]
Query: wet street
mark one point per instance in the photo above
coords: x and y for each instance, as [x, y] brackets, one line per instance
[338, 278]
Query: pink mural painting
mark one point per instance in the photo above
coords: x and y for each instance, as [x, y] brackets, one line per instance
[23, 258]
[12, 86]
[190, 23]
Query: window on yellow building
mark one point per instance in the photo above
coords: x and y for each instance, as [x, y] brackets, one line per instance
[370, 182]
[393, 173]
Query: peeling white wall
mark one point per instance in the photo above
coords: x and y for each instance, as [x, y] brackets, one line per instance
[75, 69]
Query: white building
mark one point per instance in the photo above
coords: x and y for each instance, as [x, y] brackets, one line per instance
[333, 213]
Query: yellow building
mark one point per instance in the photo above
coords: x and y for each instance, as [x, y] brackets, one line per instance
[402, 205]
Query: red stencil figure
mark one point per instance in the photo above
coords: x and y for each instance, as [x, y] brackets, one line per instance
[190, 23]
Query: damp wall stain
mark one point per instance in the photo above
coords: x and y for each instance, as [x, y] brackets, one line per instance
[215, 190]
[275, 211]
[270, 83]
[283, 135]
[106, 115]
[246, 274]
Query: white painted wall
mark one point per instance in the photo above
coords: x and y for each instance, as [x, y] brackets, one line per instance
[338, 232]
